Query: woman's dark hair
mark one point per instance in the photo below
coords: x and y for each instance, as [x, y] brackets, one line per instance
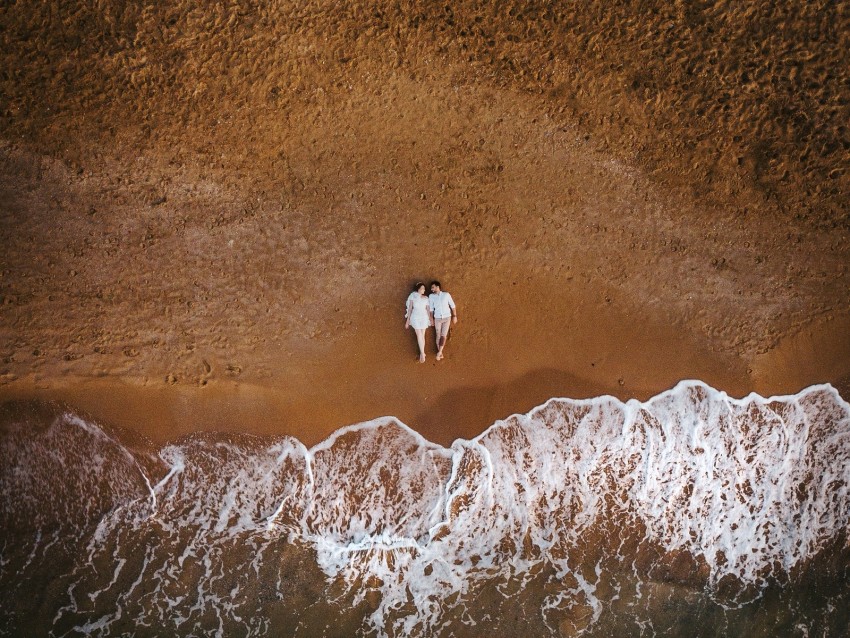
[418, 285]
[436, 283]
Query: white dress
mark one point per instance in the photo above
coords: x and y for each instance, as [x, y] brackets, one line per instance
[419, 319]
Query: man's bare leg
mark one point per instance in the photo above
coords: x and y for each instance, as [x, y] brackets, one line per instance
[442, 334]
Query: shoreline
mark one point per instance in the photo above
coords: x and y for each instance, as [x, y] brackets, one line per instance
[459, 398]
[117, 404]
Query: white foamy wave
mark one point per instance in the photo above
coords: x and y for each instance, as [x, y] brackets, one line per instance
[746, 484]
[590, 497]
[386, 484]
[743, 485]
[103, 472]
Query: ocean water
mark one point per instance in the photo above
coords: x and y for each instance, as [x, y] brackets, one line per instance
[691, 514]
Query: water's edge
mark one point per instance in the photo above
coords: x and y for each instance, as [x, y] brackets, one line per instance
[579, 517]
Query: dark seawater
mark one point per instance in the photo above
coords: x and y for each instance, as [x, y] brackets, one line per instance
[693, 514]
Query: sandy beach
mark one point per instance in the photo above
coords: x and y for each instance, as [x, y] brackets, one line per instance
[211, 219]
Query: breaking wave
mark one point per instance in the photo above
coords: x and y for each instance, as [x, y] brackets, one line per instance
[581, 517]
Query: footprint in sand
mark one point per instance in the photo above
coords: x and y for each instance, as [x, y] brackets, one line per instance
[205, 377]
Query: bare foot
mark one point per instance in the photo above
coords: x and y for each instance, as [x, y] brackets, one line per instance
[422, 358]
[439, 356]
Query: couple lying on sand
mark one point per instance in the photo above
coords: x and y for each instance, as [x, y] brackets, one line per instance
[437, 309]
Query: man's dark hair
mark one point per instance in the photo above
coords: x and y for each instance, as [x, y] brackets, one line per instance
[436, 283]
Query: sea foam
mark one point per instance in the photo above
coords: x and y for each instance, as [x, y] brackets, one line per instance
[600, 495]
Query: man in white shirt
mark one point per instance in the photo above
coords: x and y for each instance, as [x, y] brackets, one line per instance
[444, 312]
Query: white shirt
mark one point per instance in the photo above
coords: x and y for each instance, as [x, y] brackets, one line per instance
[441, 304]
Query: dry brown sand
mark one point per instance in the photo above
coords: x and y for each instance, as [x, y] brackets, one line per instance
[210, 217]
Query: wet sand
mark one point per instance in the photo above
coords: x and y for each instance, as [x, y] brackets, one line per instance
[211, 220]
[487, 375]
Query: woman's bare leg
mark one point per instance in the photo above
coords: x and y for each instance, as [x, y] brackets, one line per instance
[420, 338]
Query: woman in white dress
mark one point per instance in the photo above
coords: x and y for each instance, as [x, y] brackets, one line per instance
[418, 316]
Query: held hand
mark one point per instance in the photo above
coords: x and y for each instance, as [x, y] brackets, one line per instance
[406, 325]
